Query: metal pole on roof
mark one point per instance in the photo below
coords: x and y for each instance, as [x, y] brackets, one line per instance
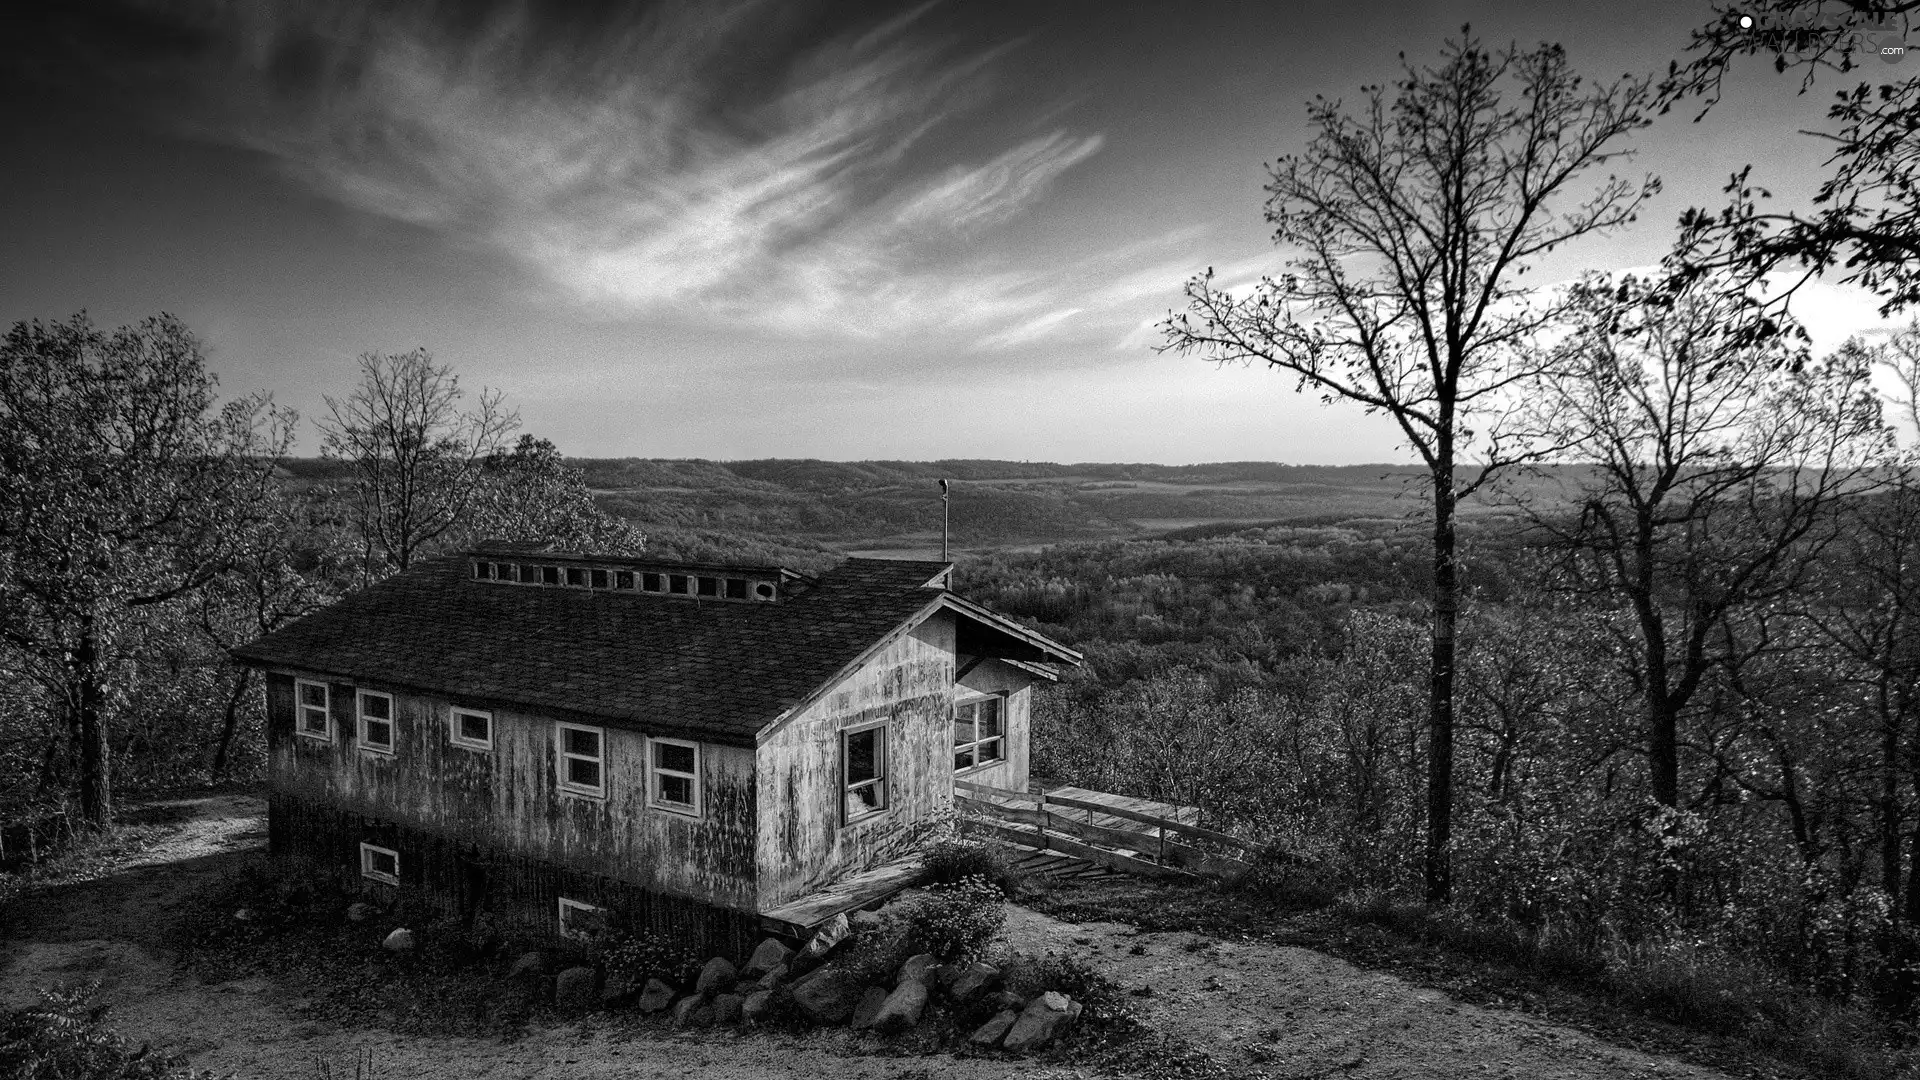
[946, 517]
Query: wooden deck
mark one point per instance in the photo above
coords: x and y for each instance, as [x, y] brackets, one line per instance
[799, 917]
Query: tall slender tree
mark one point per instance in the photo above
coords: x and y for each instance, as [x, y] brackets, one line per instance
[416, 457]
[1410, 219]
[122, 486]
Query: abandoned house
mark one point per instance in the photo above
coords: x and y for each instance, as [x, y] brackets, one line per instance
[708, 752]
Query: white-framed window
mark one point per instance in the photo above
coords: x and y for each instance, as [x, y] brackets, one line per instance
[582, 759]
[375, 712]
[472, 728]
[673, 776]
[863, 772]
[580, 920]
[310, 717]
[379, 864]
[979, 733]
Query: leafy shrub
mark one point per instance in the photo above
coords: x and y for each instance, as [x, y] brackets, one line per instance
[636, 956]
[61, 1039]
[953, 860]
[1029, 976]
[956, 921]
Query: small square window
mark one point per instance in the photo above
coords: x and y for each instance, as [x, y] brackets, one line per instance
[581, 921]
[529, 574]
[673, 776]
[709, 586]
[483, 570]
[549, 575]
[623, 579]
[380, 864]
[599, 578]
[978, 736]
[736, 588]
[310, 708]
[473, 729]
[376, 721]
[650, 582]
[577, 576]
[582, 760]
[506, 571]
[677, 583]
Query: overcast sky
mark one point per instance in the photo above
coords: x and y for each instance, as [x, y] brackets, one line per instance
[762, 229]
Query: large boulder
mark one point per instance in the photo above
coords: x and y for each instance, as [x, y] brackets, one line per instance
[727, 1008]
[973, 982]
[400, 941]
[655, 997]
[773, 977]
[755, 1008]
[528, 966]
[717, 975]
[771, 953]
[917, 969]
[576, 988]
[1043, 1018]
[868, 1008]
[991, 1032]
[902, 1008]
[692, 1012]
[827, 996]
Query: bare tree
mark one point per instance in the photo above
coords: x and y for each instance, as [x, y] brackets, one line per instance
[121, 488]
[1718, 459]
[1412, 219]
[1864, 226]
[416, 457]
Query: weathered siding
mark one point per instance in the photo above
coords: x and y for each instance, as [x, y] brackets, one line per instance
[803, 844]
[507, 799]
[1016, 688]
[466, 879]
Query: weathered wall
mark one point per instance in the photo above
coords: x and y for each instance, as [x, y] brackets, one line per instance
[468, 880]
[994, 677]
[507, 799]
[802, 843]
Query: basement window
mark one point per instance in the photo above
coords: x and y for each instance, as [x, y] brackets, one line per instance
[978, 734]
[582, 760]
[473, 729]
[673, 776]
[376, 721]
[310, 708]
[581, 921]
[863, 772]
[380, 864]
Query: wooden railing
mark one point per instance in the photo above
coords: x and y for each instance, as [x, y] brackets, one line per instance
[1162, 847]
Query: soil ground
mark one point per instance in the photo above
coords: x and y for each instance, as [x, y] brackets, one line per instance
[1258, 1009]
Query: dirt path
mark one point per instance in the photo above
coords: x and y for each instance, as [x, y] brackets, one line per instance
[1276, 1010]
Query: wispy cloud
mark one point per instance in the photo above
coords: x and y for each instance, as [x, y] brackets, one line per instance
[671, 162]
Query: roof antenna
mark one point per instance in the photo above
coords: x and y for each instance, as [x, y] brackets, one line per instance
[945, 517]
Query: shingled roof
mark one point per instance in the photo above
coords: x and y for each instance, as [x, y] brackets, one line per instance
[716, 670]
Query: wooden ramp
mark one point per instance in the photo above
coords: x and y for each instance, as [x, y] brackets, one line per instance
[798, 918]
[1137, 836]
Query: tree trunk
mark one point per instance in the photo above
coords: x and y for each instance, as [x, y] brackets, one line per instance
[1890, 815]
[1446, 613]
[89, 698]
[1663, 750]
[229, 723]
